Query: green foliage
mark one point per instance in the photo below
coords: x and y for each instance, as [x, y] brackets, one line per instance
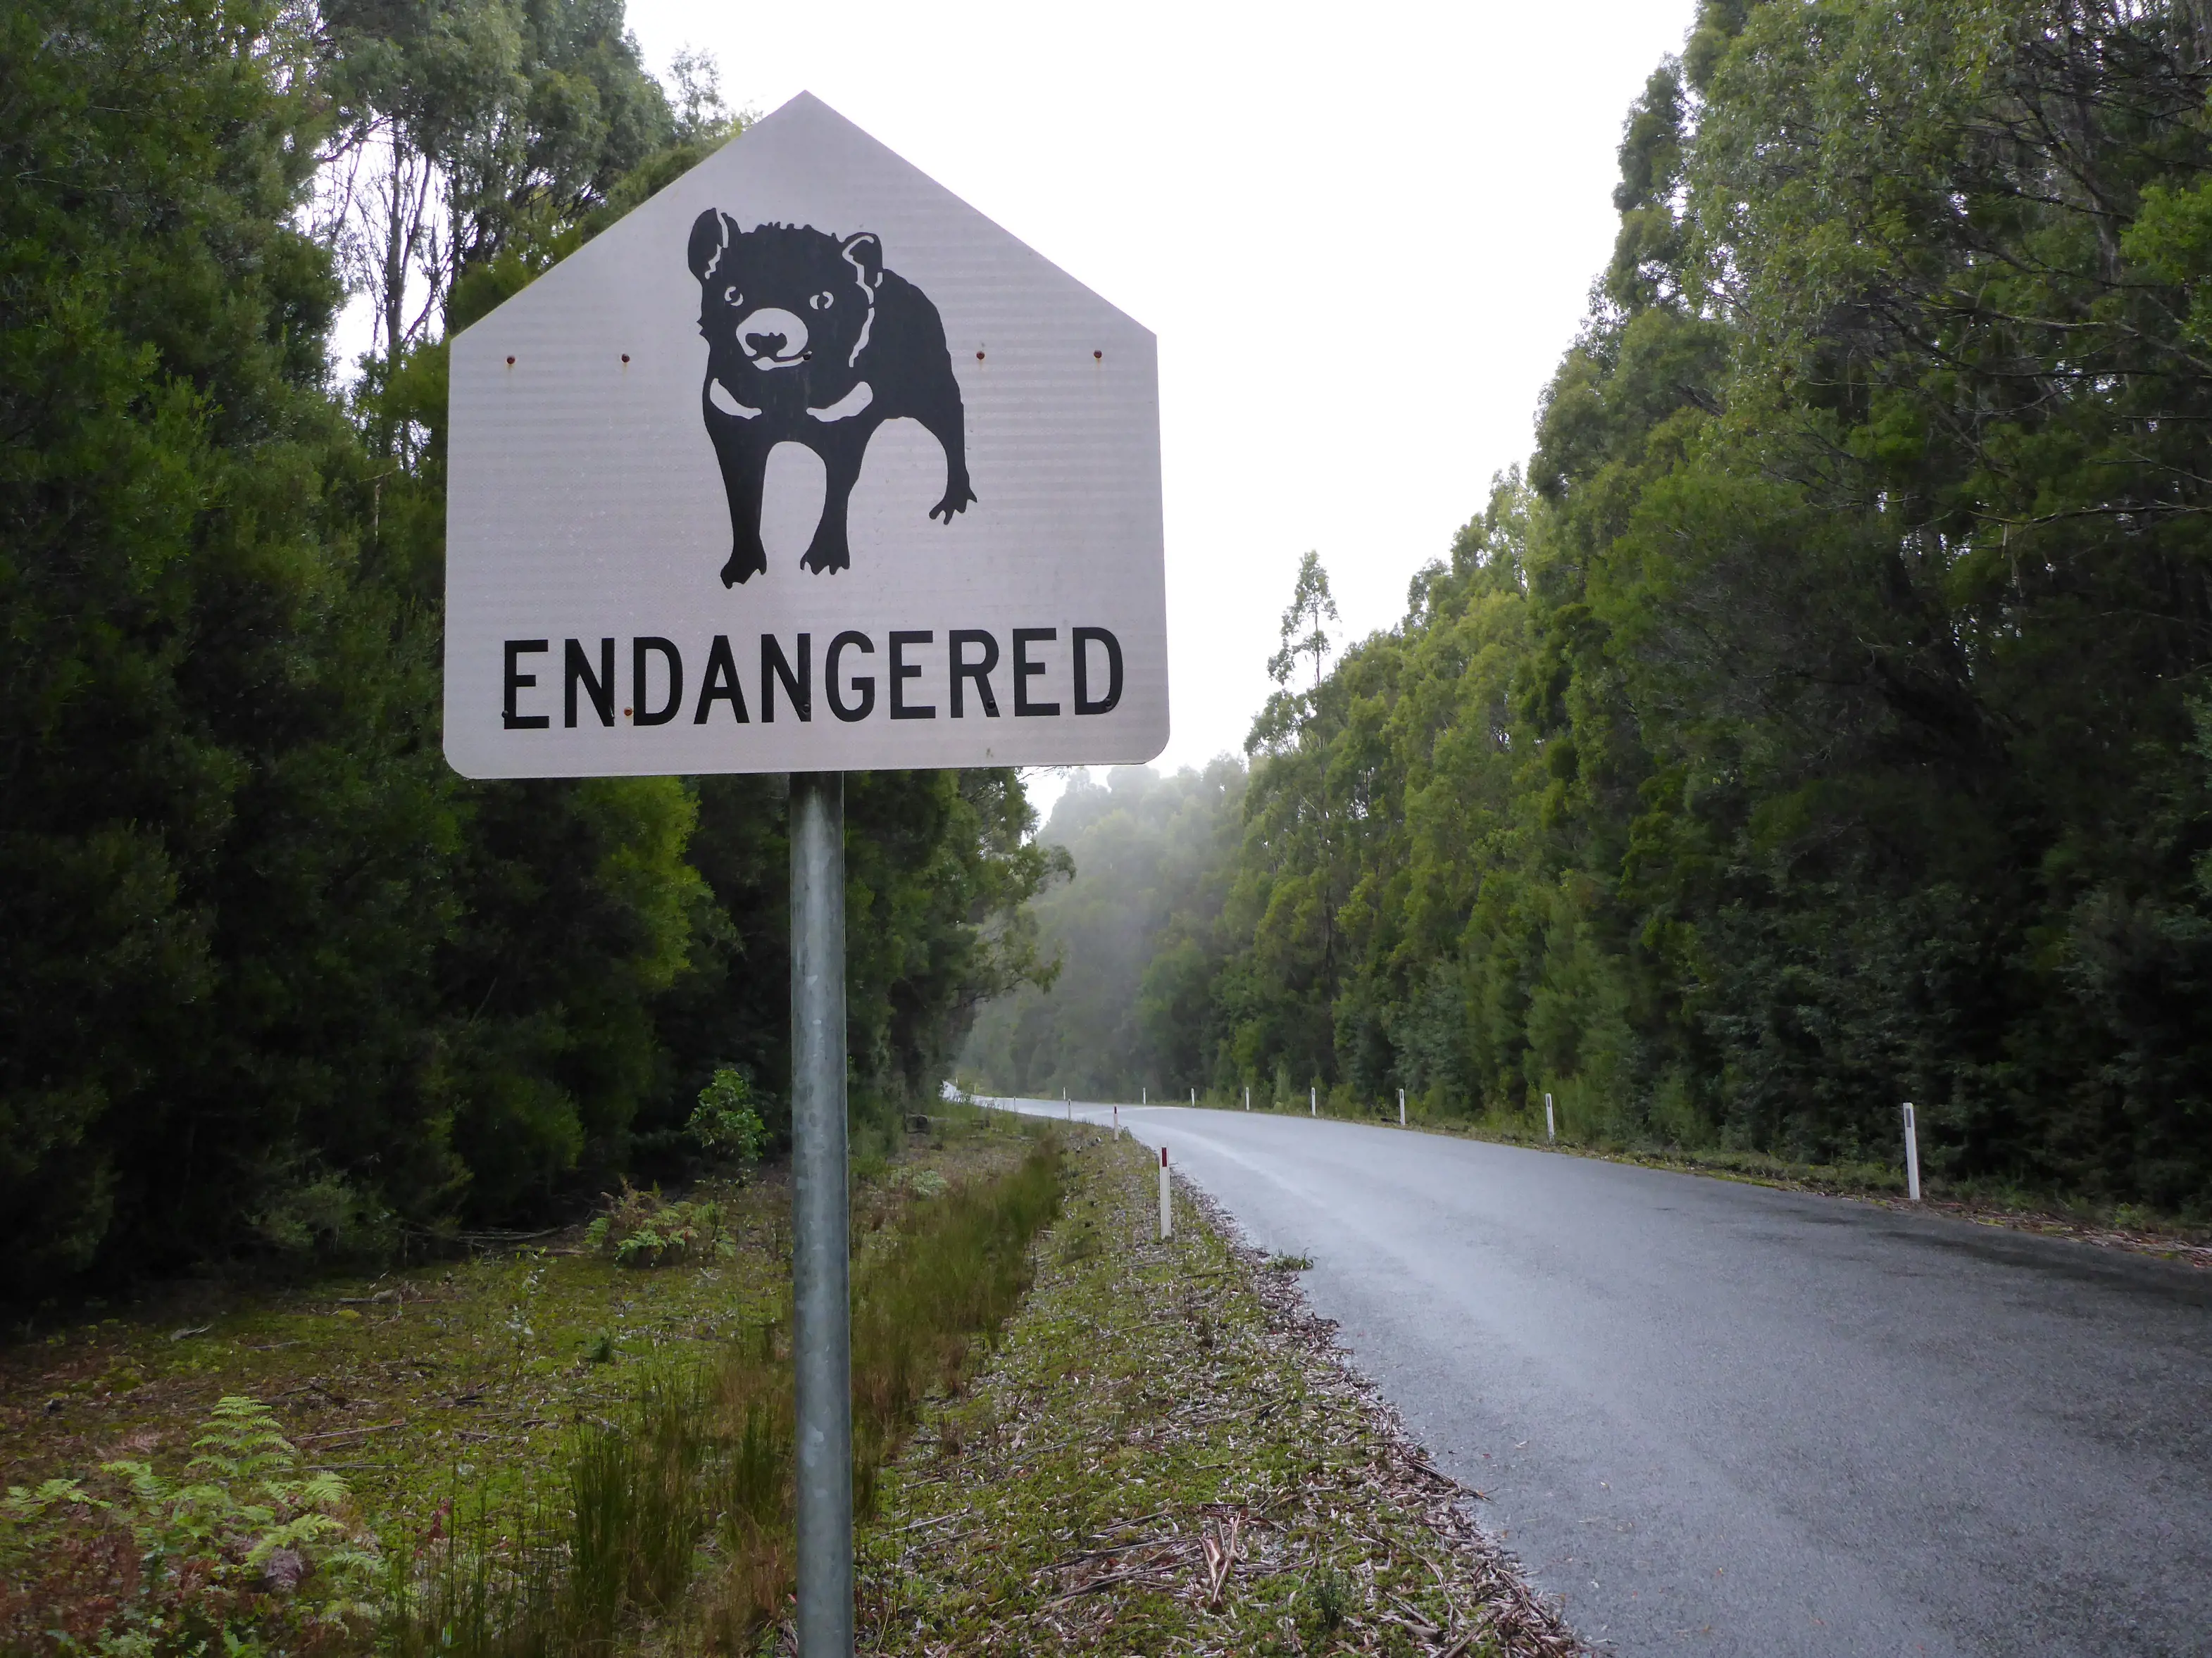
[643, 1229]
[707, 1453]
[953, 1275]
[1331, 1596]
[527, 112]
[277, 981]
[222, 833]
[1814, 725]
[725, 1126]
[248, 1549]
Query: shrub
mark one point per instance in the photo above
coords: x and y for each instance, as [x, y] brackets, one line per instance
[643, 1229]
[726, 1124]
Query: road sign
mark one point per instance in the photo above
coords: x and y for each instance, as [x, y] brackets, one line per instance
[804, 465]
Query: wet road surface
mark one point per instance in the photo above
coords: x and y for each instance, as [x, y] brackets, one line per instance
[1719, 1419]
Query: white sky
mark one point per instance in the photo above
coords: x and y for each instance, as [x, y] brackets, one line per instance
[1364, 235]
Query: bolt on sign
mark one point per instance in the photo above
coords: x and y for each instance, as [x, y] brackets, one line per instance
[804, 465]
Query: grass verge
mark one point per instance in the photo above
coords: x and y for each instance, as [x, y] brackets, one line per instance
[538, 1452]
[1167, 1456]
[672, 1531]
[1157, 1451]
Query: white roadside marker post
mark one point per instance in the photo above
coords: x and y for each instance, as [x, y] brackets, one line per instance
[1194, 1096]
[1551, 1123]
[1144, 1096]
[1248, 1097]
[1313, 1101]
[1402, 1108]
[1167, 1200]
[1912, 1155]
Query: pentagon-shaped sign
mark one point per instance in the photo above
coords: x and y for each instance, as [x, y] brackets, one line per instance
[805, 465]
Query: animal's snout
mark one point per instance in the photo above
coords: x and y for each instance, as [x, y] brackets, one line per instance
[773, 338]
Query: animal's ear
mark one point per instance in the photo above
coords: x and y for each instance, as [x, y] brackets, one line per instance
[710, 235]
[864, 254]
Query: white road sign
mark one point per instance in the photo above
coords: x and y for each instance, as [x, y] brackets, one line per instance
[805, 465]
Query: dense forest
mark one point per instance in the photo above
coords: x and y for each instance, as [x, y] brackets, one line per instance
[273, 980]
[1821, 719]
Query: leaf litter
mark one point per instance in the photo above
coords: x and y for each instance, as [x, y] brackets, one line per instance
[1170, 1453]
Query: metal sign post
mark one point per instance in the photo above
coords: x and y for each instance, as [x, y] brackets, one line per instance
[821, 1294]
[805, 467]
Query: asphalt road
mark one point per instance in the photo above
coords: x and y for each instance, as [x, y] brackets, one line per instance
[1717, 1418]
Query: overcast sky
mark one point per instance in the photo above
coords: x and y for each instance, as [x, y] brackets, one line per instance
[1362, 234]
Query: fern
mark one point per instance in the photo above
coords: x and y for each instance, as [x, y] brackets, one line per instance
[246, 1545]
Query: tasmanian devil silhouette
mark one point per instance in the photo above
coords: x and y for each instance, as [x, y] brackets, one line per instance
[809, 340]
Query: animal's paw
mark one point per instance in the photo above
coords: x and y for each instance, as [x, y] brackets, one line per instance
[818, 559]
[743, 563]
[956, 500]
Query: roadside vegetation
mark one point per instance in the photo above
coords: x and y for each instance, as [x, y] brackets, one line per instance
[551, 1449]
[1167, 1456]
[558, 1448]
[277, 986]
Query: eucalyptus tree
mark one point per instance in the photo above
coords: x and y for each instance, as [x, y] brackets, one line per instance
[1826, 721]
[465, 129]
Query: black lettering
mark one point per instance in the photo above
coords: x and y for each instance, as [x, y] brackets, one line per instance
[775, 666]
[865, 685]
[576, 669]
[902, 670]
[1082, 638]
[638, 650]
[1025, 670]
[516, 648]
[956, 642]
[721, 682]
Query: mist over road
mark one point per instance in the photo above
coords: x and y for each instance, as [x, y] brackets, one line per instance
[1723, 1419]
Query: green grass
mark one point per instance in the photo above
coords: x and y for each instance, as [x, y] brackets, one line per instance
[561, 1456]
[557, 1453]
[1165, 1457]
[673, 1530]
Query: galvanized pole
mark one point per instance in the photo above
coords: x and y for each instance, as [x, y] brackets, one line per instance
[821, 1329]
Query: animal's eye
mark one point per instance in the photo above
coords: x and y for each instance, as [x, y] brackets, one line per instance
[730, 297]
[823, 301]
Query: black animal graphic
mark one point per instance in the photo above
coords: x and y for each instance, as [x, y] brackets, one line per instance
[809, 340]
